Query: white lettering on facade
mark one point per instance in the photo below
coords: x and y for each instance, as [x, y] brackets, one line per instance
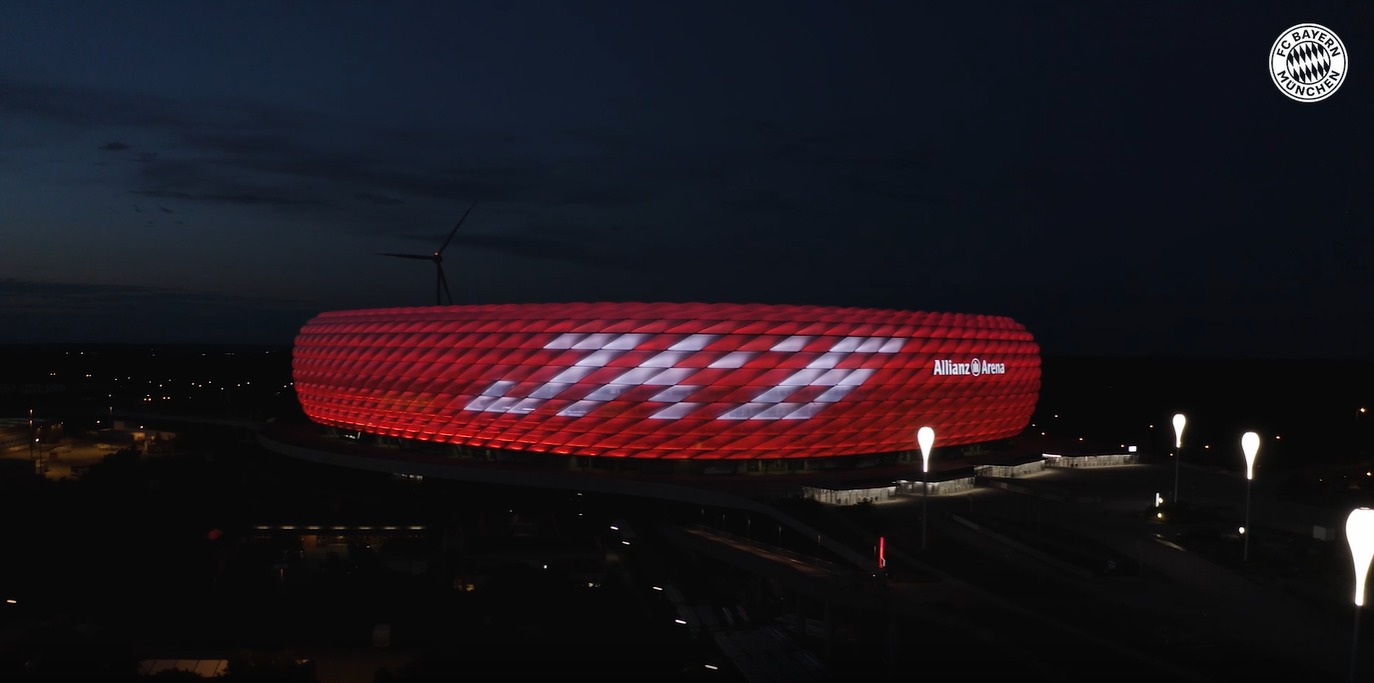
[973, 368]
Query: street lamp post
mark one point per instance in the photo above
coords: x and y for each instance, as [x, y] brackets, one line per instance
[1249, 443]
[1179, 422]
[925, 438]
[1359, 533]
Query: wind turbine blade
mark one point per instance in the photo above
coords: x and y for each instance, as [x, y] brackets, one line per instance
[437, 282]
[444, 281]
[415, 256]
[455, 228]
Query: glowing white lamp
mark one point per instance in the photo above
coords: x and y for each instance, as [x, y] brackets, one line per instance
[1250, 444]
[925, 436]
[1179, 422]
[1359, 533]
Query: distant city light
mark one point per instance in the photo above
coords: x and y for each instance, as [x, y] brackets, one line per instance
[658, 588]
[1242, 531]
[679, 621]
[624, 542]
[1159, 515]
[615, 528]
[712, 667]
[12, 602]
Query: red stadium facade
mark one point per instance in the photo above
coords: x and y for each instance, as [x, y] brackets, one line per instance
[668, 381]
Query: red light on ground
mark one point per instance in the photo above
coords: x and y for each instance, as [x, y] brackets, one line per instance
[214, 534]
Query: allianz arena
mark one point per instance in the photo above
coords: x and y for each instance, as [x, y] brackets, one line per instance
[668, 381]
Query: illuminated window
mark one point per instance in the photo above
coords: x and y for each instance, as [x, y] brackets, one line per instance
[638, 376]
[892, 346]
[595, 342]
[674, 394]
[736, 359]
[579, 409]
[565, 341]
[675, 411]
[608, 392]
[746, 411]
[792, 344]
[671, 376]
[777, 411]
[499, 389]
[833, 394]
[802, 378]
[872, 345]
[694, 342]
[527, 405]
[572, 375]
[777, 394]
[599, 359]
[855, 378]
[667, 359]
[549, 390]
[628, 341]
[827, 361]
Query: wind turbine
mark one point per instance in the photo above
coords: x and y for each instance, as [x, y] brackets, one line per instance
[438, 259]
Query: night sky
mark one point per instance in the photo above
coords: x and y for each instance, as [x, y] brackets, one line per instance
[1122, 178]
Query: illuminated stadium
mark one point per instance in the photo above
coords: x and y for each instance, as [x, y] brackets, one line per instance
[699, 382]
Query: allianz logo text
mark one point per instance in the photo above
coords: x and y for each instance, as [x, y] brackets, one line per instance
[798, 397]
[974, 368]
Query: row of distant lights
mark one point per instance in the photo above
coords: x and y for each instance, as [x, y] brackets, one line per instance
[289, 527]
[1276, 437]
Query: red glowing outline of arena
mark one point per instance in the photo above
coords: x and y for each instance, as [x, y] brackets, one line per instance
[672, 381]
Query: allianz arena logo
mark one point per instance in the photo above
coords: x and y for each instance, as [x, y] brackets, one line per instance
[799, 396]
[974, 368]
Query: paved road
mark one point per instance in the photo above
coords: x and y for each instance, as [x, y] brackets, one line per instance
[1274, 623]
[1134, 487]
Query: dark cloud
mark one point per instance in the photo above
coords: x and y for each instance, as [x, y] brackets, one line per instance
[164, 209]
[44, 312]
[762, 201]
[16, 293]
[245, 199]
[115, 146]
[376, 199]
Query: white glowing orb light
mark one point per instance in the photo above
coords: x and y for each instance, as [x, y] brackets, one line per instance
[1359, 533]
[925, 436]
[1250, 444]
[1179, 422]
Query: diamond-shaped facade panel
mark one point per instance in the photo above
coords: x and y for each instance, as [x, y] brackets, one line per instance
[706, 381]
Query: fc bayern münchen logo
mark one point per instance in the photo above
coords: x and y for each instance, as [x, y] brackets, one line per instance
[975, 367]
[1308, 62]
